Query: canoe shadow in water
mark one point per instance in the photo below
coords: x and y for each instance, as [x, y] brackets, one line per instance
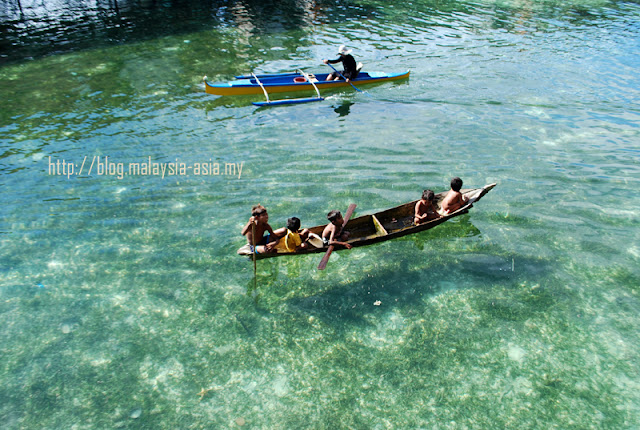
[354, 302]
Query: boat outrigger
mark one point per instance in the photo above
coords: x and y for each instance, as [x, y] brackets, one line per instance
[385, 225]
[290, 82]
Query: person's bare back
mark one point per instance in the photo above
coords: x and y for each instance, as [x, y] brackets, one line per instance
[454, 199]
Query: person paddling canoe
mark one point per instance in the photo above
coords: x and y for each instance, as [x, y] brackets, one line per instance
[349, 63]
[334, 233]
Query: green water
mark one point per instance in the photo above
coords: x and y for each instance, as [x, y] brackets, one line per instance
[123, 304]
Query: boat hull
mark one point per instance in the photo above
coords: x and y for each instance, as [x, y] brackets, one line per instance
[288, 83]
[386, 225]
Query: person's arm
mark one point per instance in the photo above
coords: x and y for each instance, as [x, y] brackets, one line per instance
[417, 217]
[270, 245]
[333, 241]
[339, 60]
[432, 209]
[280, 232]
[345, 244]
[247, 228]
[278, 235]
[304, 234]
[332, 233]
[325, 232]
[270, 230]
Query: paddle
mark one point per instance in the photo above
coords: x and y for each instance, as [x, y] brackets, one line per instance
[342, 76]
[325, 259]
[255, 266]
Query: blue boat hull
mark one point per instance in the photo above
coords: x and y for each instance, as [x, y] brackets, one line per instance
[289, 101]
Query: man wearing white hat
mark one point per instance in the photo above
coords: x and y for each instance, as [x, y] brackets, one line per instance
[349, 63]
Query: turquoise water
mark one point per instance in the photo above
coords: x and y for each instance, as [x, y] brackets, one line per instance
[123, 304]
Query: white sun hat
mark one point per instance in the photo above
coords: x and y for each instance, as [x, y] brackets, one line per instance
[342, 50]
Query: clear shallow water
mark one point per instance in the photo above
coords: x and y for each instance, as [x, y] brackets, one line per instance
[122, 299]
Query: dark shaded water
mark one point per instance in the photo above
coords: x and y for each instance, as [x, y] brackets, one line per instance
[32, 29]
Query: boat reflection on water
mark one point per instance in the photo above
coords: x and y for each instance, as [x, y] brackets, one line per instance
[344, 108]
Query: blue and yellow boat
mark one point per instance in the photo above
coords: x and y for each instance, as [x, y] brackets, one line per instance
[293, 81]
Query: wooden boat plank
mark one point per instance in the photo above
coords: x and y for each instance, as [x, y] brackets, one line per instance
[380, 230]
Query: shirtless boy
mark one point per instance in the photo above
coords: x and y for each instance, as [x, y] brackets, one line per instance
[259, 222]
[333, 233]
[425, 210]
[454, 199]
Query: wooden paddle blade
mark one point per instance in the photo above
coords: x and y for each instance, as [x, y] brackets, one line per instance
[350, 210]
[325, 259]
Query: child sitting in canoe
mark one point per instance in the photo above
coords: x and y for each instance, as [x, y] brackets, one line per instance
[454, 199]
[291, 238]
[255, 229]
[333, 233]
[425, 210]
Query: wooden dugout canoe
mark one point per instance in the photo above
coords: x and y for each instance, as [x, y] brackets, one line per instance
[289, 82]
[385, 225]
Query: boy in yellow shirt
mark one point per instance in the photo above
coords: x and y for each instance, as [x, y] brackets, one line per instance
[291, 238]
